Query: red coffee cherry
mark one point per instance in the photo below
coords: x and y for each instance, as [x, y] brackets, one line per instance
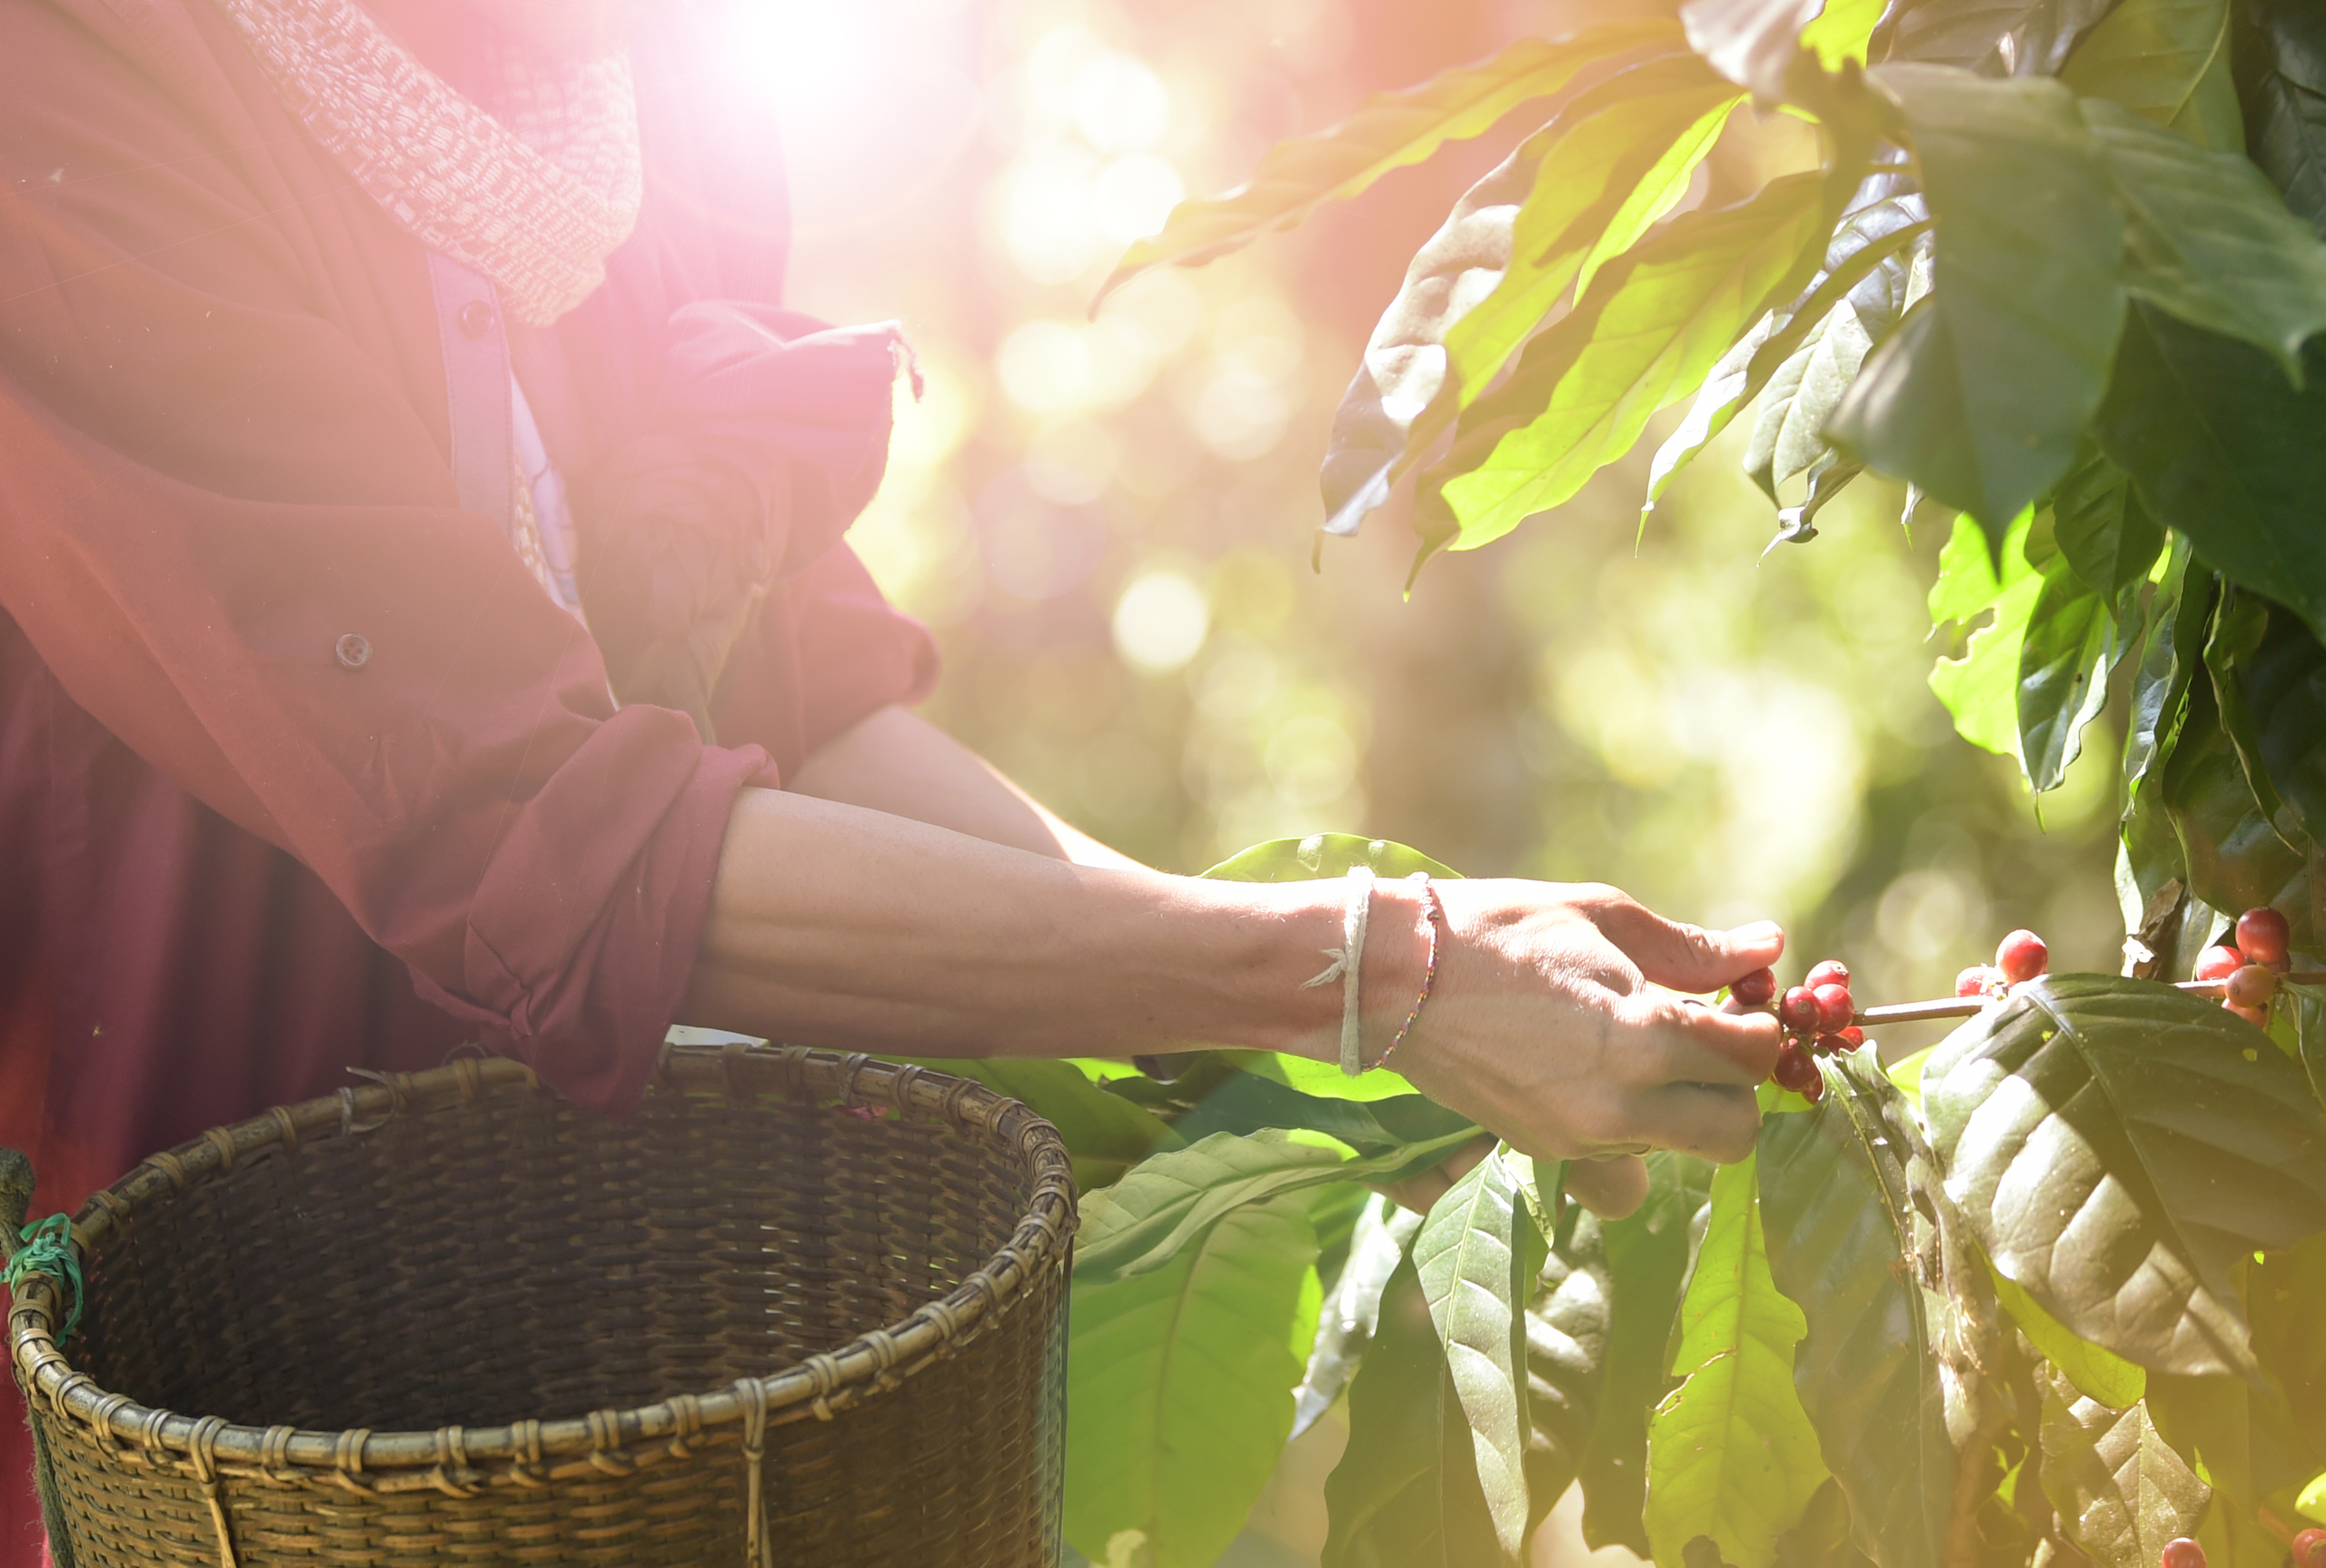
[1833, 1046]
[2184, 1554]
[1829, 972]
[2309, 1549]
[1755, 990]
[1972, 981]
[1797, 1070]
[1799, 1009]
[2264, 936]
[1814, 1090]
[2218, 963]
[1835, 1009]
[2252, 987]
[2257, 1016]
[1851, 1037]
[2022, 956]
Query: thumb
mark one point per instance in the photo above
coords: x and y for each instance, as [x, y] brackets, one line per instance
[1688, 957]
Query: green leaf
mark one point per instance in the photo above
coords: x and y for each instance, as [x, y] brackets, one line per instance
[1841, 1228]
[1647, 1260]
[1659, 190]
[1790, 432]
[1981, 689]
[1509, 248]
[1569, 1321]
[2283, 1291]
[1388, 130]
[1180, 1386]
[1980, 396]
[1169, 1200]
[2235, 857]
[1470, 1256]
[2114, 1151]
[2167, 61]
[2223, 450]
[1406, 1492]
[2098, 1374]
[2279, 49]
[1863, 268]
[1586, 389]
[2240, 622]
[2244, 1435]
[1608, 143]
[1842, 31]
[1992, 37]
[1352, 1307]
[2073, 638]
[1731, 1453]
[2283, 683]
[2110, 541]
[2119, 1490]
[2208, 239]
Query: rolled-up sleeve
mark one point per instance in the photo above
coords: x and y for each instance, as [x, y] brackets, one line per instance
[228, 526]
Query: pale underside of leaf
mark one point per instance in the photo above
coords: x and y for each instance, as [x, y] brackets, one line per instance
[2119, 1489]
[1388, 130]
[1468, 1258]
[1731, 1453]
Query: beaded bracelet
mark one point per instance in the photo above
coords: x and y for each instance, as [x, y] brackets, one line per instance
[1432, 912]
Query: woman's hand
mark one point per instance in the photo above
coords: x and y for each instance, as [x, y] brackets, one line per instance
[1553, 1024]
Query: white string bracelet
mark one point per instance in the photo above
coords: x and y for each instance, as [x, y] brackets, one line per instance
[1346, 965]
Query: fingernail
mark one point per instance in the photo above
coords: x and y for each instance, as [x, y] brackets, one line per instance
[1759, 931]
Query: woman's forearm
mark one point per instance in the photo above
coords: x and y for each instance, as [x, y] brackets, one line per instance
[833, 924]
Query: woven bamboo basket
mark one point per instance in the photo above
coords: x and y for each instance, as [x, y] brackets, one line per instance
[807, 1309]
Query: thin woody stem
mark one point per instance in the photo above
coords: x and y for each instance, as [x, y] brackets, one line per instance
[1970, 1006]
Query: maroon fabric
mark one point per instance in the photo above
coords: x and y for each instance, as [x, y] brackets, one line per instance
[231, 867]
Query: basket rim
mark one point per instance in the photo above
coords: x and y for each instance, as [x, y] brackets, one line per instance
[528, 1453]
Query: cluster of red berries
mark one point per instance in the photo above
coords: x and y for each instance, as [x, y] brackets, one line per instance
[1816, 1017]
[2309, 1548]
[2251, 967]
[2022, 955]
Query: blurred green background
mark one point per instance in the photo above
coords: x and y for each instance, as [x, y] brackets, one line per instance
[1108, 522]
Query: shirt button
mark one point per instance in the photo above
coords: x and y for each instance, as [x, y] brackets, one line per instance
[355, 650]
[476, 318]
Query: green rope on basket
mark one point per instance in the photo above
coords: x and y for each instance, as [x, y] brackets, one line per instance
[48, 1249]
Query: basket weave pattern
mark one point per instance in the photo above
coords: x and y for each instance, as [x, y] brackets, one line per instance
[807, 1309]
